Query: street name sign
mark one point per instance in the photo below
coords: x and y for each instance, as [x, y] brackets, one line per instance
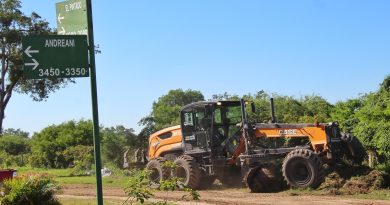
[72, 17]
[55, 56]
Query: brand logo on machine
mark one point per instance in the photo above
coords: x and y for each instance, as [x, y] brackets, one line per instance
[288, 132]
[190, 138]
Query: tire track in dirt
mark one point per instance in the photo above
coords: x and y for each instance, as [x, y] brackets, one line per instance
[224, 197]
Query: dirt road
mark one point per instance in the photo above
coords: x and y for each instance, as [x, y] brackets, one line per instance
[228, 197]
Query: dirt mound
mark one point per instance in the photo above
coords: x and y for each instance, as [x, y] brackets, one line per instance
[365, 184]
[333, 183]
[353, 180]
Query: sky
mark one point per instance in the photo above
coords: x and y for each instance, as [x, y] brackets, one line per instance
[335, 49]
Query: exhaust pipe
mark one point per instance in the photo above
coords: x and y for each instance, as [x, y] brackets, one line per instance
[273, 119]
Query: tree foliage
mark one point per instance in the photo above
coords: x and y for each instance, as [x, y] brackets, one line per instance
[70, 144]
[165, 111]
[368, 117]
[14, 145]
[51, 145]
[288, 109]
[373, 127]
[115, 142]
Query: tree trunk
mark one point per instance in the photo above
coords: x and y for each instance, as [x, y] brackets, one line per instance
[2, 87]
[1, 119]
[372, 158]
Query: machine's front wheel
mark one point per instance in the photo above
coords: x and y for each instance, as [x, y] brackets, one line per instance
[188, 171]
[262, 180]
[302, 169]
[157, 171]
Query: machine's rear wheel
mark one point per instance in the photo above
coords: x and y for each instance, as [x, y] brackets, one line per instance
[302, 169]
[157, 171]
[355, 149]
[262, 180]
[187, 169]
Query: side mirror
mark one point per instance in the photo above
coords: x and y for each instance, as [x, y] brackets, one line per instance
[253, 107]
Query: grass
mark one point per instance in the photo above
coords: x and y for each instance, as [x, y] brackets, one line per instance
[63, 176]
[378, 195]
[70, 201]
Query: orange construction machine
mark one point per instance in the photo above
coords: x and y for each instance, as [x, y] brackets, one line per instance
[215, 140]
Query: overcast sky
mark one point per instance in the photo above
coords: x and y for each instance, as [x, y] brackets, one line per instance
[336, 49]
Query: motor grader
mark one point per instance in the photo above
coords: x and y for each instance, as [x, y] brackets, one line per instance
[215, 141]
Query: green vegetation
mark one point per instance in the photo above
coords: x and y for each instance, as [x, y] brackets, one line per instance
[65, 176]
[368, 117]
[139, 187]
[165, 110]
[68, 145]
[29, 189]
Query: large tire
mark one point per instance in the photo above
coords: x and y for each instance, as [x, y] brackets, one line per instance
[187, 169]
[354, 148]
[263, 180]
[302, 169]
[157, 172]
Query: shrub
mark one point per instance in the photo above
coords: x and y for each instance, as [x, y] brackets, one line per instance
[29, 189]
[138, 188]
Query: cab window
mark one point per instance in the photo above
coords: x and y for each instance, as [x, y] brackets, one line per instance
[188, 120]
[217, 116]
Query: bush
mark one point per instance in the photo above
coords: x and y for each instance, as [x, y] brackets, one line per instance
[29, 189]
[138, 188]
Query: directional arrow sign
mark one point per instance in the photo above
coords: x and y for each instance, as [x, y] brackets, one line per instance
[60, 18]
[29, 51]
[35, 64]
[72, 17]
[55, 56]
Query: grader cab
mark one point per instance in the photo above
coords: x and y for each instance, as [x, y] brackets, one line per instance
[216, 141]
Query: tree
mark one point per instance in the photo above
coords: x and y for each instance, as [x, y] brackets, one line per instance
[115, 142]
[14, 145]
[368, 117]
[165, 112]
[345, 114]
[374, 121]
[15, 132]
[316, 108]
[14, 25]
[51, 146]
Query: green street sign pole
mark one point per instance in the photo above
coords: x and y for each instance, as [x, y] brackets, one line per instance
[98, 165]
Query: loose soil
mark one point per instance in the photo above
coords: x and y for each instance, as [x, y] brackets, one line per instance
[226, 197]
[354, 180]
